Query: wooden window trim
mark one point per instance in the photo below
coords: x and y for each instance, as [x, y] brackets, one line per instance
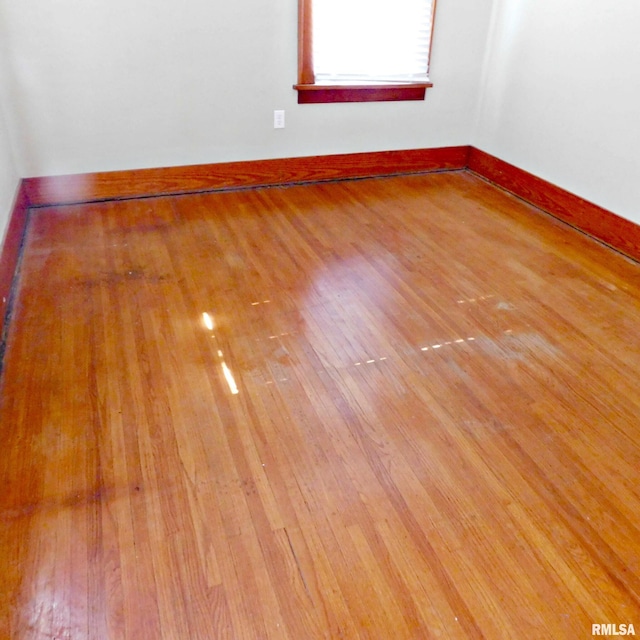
[316, 93]
[311, 93]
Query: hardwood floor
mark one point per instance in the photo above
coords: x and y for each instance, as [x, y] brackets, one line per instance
[390, 408]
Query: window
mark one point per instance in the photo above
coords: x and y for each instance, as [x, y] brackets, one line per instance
[363, 50]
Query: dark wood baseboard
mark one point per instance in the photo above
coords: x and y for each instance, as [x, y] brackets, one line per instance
[619, 233]
[139, 183]
[10, 255]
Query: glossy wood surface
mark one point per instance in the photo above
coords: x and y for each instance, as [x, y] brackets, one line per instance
[619, 233]
[410, 411]
[109, 185]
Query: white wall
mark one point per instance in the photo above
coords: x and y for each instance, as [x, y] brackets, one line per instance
[8, 172]
[122, 84]
[561, 96]
[8, 177]
[95, 86]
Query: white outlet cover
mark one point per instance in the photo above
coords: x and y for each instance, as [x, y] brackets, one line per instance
[278, 119]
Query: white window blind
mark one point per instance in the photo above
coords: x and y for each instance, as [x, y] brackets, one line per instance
[360, 41]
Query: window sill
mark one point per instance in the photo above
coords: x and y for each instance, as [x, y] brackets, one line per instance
[323, 93]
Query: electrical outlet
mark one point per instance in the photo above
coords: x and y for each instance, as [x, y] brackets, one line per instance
[278, 119]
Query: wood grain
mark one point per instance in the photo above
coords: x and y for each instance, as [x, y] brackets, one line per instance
[138, 183]
[435, 433]
[619, 233]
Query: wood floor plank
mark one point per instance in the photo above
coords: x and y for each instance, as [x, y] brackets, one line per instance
[388, 408]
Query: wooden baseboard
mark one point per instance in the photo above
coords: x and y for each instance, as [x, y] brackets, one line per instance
[10, 255]
[619, 233]
[139, 183]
